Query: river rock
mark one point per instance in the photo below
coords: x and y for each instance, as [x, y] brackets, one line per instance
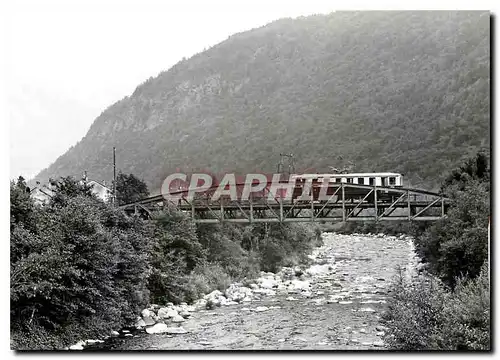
[265, 291]
[296, 284]
[261, 308]
[115, 333]
[165, 329]
[316, 270]
[140, 324]
[213, 296]
[200, 304]
[177, 319]
[367, 309]
[286, 273]
[267, 283]
[229, 303]
[167, 313]
[93, 342]
[237, 293]
[78, 346]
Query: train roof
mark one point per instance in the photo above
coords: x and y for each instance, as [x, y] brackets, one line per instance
[346, 175]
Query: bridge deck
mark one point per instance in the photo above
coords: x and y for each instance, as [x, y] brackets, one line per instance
[343, 202]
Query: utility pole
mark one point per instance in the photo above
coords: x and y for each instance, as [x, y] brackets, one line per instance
[291, 165]
[114, 177]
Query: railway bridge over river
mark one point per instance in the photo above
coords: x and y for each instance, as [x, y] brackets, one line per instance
[344, 202]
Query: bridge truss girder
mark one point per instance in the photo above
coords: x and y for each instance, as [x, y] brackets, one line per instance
[348, 202]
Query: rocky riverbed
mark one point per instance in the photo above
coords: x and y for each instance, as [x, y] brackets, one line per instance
[335, 304]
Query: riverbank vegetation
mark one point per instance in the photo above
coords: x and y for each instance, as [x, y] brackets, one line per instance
[448, 306]
[81, 268]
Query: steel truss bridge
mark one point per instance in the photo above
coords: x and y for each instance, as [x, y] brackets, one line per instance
[344, 202]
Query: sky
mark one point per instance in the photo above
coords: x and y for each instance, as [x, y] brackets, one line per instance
[67, 63]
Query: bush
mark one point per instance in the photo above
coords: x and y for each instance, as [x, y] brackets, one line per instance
[80, 272]
[414, 313]
[175, 254]
[204, 279]
[457, 245]
[288, 245]
[424, 315]
[467, 315]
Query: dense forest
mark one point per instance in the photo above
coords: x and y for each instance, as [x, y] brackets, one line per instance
[389, 91]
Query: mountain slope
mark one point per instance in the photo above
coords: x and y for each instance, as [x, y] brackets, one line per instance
[390, 91]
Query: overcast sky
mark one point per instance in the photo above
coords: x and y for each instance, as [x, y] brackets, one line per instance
[68, 61]
[66, 64]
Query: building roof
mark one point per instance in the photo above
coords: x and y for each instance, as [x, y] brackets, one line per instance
[308, 176]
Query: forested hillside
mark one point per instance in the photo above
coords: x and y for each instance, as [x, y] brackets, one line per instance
[390, 91]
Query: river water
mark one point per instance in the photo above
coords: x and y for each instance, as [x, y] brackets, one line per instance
[339, 310]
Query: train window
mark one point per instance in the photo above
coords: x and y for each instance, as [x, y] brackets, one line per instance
[392, 180]
[349, 180]
[372, 181]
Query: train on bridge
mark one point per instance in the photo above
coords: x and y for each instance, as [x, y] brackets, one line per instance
[303, 197]
[291, 188]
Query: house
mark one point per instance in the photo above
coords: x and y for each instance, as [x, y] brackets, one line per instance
[100, 190]
[41, 194]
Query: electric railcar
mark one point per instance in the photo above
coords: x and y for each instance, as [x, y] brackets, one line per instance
[386, 179]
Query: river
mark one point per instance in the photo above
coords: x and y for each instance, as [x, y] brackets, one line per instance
[339, 309]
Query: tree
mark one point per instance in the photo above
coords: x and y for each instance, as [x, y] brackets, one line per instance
[130, 189]
[176, 253]
[78, 272]
[68, 187]
[21, 204]
[457, 245]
